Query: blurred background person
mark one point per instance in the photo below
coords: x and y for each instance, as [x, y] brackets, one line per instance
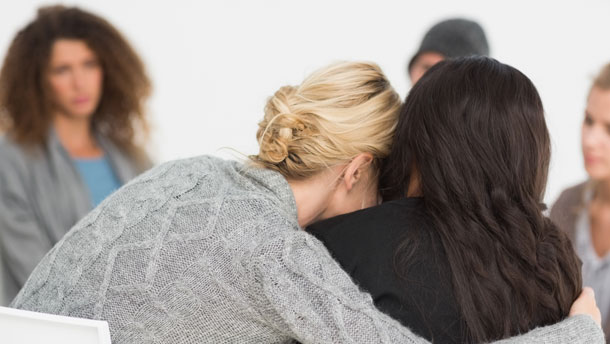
[583, 211]
[449, 38]
[72, 94]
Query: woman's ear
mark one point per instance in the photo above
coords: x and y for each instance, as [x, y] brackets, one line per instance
[357, 169]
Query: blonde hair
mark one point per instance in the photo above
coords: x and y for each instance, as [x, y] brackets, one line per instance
[602, 80]
[337, 113]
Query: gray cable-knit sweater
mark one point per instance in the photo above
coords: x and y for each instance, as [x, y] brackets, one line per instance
[209, 251]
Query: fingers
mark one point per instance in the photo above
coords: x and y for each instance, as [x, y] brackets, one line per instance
[589, 291]
[585, 304]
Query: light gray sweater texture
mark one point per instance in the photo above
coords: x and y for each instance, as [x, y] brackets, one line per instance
[210, 251]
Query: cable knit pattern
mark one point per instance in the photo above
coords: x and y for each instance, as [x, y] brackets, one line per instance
[209, 251]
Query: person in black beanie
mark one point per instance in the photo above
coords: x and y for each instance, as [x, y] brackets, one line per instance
[450, 38]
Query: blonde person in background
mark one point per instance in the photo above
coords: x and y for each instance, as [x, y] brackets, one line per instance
[71, 102]
[583, 211]
[205, 250]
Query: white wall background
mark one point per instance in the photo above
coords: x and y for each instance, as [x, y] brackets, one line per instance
[214, 63]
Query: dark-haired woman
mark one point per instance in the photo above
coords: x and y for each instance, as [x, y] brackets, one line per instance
[71, 97]
[461, 251]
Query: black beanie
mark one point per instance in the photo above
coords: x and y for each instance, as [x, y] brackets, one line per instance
[454, 38]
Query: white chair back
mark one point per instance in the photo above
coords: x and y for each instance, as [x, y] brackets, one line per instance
[25, 327]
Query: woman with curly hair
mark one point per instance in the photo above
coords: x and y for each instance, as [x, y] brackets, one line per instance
[71, 106]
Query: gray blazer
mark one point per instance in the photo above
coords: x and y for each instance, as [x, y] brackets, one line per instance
[564, 214]
[42, 196]
[565, 210]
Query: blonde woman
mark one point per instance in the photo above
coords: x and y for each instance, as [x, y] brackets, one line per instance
[207, 250]
[583, 211]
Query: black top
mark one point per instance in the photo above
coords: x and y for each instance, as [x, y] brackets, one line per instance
[365, 243]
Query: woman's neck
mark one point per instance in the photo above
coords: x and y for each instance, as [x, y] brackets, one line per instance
[312, 197]
[76, 137]
[602, 192]
[414, 187]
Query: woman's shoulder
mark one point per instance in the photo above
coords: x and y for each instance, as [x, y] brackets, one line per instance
[216, 166]
[567, 206]
[569, 199]
[378, 226]
[8, 147]
[178, 171]
[388, 213]
[15, 156]
[573, 193]
[366, 242]
[215, 178]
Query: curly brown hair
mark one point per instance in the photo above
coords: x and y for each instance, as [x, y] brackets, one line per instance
[25, 98]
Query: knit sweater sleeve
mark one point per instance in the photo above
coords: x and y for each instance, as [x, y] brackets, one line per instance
[303, 292]
[576, 329]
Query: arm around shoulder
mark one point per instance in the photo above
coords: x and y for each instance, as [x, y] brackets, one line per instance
[302, 291]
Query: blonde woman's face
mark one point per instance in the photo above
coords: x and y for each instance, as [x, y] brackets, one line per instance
[596, 135]
[75, 78]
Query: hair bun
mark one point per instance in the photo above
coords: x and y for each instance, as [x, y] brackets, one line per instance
[279, 127]
[336, 113]
[285, 133]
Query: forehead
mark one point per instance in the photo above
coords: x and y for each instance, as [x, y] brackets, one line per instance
[70, 50]
[598, 103]
[429, 58]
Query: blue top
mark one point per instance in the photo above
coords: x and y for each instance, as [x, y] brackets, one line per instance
[99, 178]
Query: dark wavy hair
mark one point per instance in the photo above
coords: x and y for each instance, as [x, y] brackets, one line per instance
[473, 130]
[25, 104]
